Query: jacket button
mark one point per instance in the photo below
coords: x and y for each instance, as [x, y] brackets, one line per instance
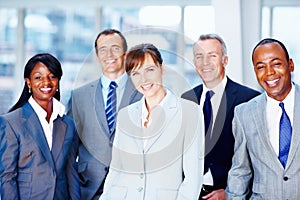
[141, 175]
[140, 189]
[285, 178]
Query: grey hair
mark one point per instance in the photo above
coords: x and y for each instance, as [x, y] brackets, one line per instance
[217, 37]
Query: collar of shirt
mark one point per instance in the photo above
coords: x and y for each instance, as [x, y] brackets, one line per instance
[121, 82]
[273, 115]
[218, 93]
[145, 111]
[58, 109]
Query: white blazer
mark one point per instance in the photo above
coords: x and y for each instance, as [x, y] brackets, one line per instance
[169, 165]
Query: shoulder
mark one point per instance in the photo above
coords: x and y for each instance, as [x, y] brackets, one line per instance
[68, 120]
[86, 87]
[248, 106]
[193, 93]
[243, 92]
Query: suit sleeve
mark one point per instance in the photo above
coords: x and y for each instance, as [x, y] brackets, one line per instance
[72, 171]
[240, 173]
[9, 149]
[113, 173]
[193, 156]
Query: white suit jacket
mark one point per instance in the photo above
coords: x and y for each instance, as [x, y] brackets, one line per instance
[169, 165]
[255, 159]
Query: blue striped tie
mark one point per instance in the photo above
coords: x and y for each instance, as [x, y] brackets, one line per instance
[285, 135]
[111, 105]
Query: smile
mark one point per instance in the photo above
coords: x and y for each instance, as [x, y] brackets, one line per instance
[273, 82]
[147, 86]
[46, 89]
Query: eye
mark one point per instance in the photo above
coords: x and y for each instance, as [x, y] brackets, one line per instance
[52, 76]
[116, 49]
[277, 64]
[134, 73]
[102, 50]
[258, 67]
[198, 57]
[37, 77]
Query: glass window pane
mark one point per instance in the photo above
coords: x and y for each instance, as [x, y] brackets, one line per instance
[8, 38]
[284, 29]
[67, 34]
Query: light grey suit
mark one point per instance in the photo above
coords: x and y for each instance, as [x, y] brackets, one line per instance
[255, 159]
[88, 110]
[169, 165]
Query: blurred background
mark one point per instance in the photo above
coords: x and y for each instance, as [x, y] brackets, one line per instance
[68, 28]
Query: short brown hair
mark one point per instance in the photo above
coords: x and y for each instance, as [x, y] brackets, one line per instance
[136, 56]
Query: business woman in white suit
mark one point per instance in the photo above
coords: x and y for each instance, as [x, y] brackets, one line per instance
[37, 141]
[158, 151]
[258, 167]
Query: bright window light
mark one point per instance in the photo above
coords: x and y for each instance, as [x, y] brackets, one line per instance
[160, 15]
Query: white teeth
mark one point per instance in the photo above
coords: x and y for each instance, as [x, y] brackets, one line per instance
[206, 70]
[272, 82]
[109, 61]
[147, 86]
[46, 89]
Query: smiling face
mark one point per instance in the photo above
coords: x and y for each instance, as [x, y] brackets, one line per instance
[42, 83]
[273, 71]
[147, 78]
[209, 61]
[110, 54]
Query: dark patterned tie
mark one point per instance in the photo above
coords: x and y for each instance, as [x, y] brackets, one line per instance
[207, 110]
[285, 135]
[111, 105]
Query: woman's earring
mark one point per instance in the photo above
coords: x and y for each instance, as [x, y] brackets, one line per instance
[29, 90]
[57, 90]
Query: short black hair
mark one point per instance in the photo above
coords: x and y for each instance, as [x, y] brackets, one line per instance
[272, 40]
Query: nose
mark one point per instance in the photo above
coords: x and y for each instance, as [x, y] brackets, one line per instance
[270, 70]
[206, 60]
[143, 77]
[109, 52]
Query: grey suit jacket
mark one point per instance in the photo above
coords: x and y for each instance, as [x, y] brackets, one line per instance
[28, 169]
[255, 158]
[88, 110]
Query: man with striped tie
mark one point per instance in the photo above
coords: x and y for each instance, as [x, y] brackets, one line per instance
[94, 107]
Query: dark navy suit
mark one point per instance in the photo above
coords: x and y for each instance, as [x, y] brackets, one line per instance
[28, 169]
[219, 148]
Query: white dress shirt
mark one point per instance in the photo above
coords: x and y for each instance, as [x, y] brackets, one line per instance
[121, 82]
[58, 109]
[215, 102]
[273, 112]
[147, 119]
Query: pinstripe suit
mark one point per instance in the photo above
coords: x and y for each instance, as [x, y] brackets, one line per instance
[255, 157]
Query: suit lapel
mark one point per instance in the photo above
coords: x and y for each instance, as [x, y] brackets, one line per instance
[130, 94]
[97, 96]
[59, 132]
[296, 127]
[33, 126]
[161, 119]
[259, 118]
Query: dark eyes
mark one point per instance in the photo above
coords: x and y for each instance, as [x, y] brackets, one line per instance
[51, 77]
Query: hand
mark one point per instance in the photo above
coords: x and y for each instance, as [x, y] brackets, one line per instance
[216, 195]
